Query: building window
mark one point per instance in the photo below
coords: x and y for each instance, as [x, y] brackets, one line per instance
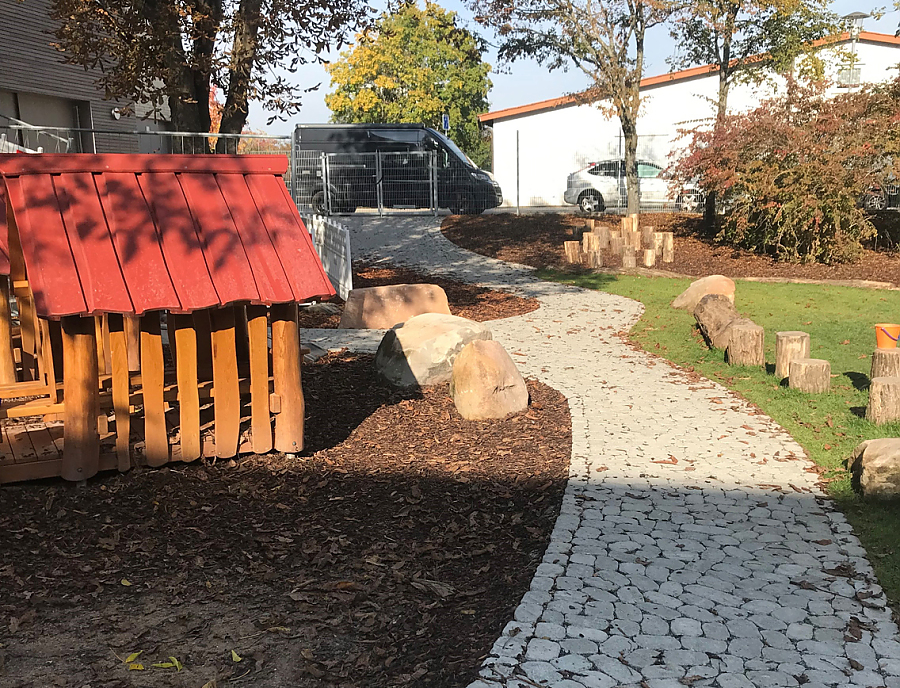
[848, 77]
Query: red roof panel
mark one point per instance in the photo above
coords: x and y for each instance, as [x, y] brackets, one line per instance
[132, 233]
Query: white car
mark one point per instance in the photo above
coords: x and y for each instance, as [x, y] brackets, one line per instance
[601, 185]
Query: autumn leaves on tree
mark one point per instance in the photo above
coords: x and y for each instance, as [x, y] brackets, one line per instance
[413, 66]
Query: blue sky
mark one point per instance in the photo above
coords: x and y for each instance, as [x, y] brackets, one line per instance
[524, 81]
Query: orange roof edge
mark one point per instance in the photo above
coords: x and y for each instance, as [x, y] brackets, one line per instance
[690, 73]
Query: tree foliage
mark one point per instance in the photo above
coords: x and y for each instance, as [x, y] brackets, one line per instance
[414, 65]
[171, 53]
[792, 174]
[603, 38]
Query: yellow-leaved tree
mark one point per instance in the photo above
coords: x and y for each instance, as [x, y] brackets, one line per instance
[414, 65]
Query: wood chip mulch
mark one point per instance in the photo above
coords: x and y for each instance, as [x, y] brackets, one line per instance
[537, 240]
[466, 300]
[391, 552]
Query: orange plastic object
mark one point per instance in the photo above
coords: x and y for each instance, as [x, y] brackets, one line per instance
[886, 335]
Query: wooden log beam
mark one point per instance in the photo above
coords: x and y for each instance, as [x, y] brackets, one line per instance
[121, 388]
[7, 359]
[789, 346]
[286, 371]
[181, 328]
[156, 435]
[260, 416]
[227, 400]
[81, 447]
[133, 342]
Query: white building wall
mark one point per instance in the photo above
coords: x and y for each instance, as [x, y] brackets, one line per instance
[553, 143]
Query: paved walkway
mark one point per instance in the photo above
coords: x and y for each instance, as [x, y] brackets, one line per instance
[693, 547]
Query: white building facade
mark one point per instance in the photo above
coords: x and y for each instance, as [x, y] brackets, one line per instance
[537, 146]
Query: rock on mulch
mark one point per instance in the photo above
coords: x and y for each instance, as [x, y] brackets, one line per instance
[391, 553]
[537, 240]
[466, 300]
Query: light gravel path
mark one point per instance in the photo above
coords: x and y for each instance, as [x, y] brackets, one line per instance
[693, 547]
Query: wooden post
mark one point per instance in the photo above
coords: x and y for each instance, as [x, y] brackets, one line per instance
[885, 363]
[226, 385]
[81, 445]
[658, 240]
[181, 330]
[121, 388]
[27, 321]
[590, 243]
[884, 400]
[286, 371]
[260, 418]
[634, 239]
[789, 346]
[812, 375]
[668, 252]
[156, 435]
[649, 257]
[746, 346]
[593, 259]
[573, 251]
[7, 360]
[633, 218]
[628, 258]
[133, 342]
[647, 237]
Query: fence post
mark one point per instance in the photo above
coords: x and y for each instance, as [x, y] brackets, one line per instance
[326, 187]
[432, 162]
[379, 181]
[517, 172]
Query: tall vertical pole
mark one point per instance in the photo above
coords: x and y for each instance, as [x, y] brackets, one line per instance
[518, 209]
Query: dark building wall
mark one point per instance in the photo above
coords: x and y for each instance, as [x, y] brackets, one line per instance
[30, 67]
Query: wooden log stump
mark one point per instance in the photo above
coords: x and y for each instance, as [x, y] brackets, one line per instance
[647, 237]
[658, 239]
[616, 245]
[788, 347]
[628, 257]
[593, 259]
[590, 242]
[636, 240]
[668, 252]
[573, 251]
[885, 363]
[746, 346]
[649, 257]
[602, 232]
[811, 375]
[884, 400]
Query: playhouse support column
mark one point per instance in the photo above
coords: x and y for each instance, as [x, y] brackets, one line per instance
[81, 447]
[287, 375]
[7, 362]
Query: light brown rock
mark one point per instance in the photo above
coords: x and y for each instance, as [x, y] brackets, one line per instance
[713, 284]
[421, 351]
[875, 465]
[379, 308]
[486, 383]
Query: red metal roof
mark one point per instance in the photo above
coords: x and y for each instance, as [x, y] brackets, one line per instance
[134, 233]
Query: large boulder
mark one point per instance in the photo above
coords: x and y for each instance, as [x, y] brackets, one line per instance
[875, 465]
[713, 284]
[379, 308]
[421, 351]
[486, 383]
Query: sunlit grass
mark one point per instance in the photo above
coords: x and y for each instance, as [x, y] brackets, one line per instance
[839, 321]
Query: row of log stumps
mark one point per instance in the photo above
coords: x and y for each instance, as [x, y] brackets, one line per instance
[884, 387]
[792, 361]
[630, 243]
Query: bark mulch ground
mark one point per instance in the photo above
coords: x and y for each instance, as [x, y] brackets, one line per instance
[466, 300]
[537, 240]
[390, 553]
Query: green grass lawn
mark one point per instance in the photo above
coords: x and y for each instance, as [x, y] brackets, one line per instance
[840, 323]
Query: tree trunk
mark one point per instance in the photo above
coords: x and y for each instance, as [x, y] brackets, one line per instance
[725, 70]
[243, 55]
[629, 131]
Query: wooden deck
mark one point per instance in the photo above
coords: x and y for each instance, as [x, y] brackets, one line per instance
[32, 450]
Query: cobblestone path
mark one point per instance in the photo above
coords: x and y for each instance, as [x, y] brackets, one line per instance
[693, 547]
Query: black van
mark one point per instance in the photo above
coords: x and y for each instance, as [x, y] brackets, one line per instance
[400, 176]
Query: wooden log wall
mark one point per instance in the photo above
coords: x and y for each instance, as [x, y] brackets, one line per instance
[223, 390]
[630, 242]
